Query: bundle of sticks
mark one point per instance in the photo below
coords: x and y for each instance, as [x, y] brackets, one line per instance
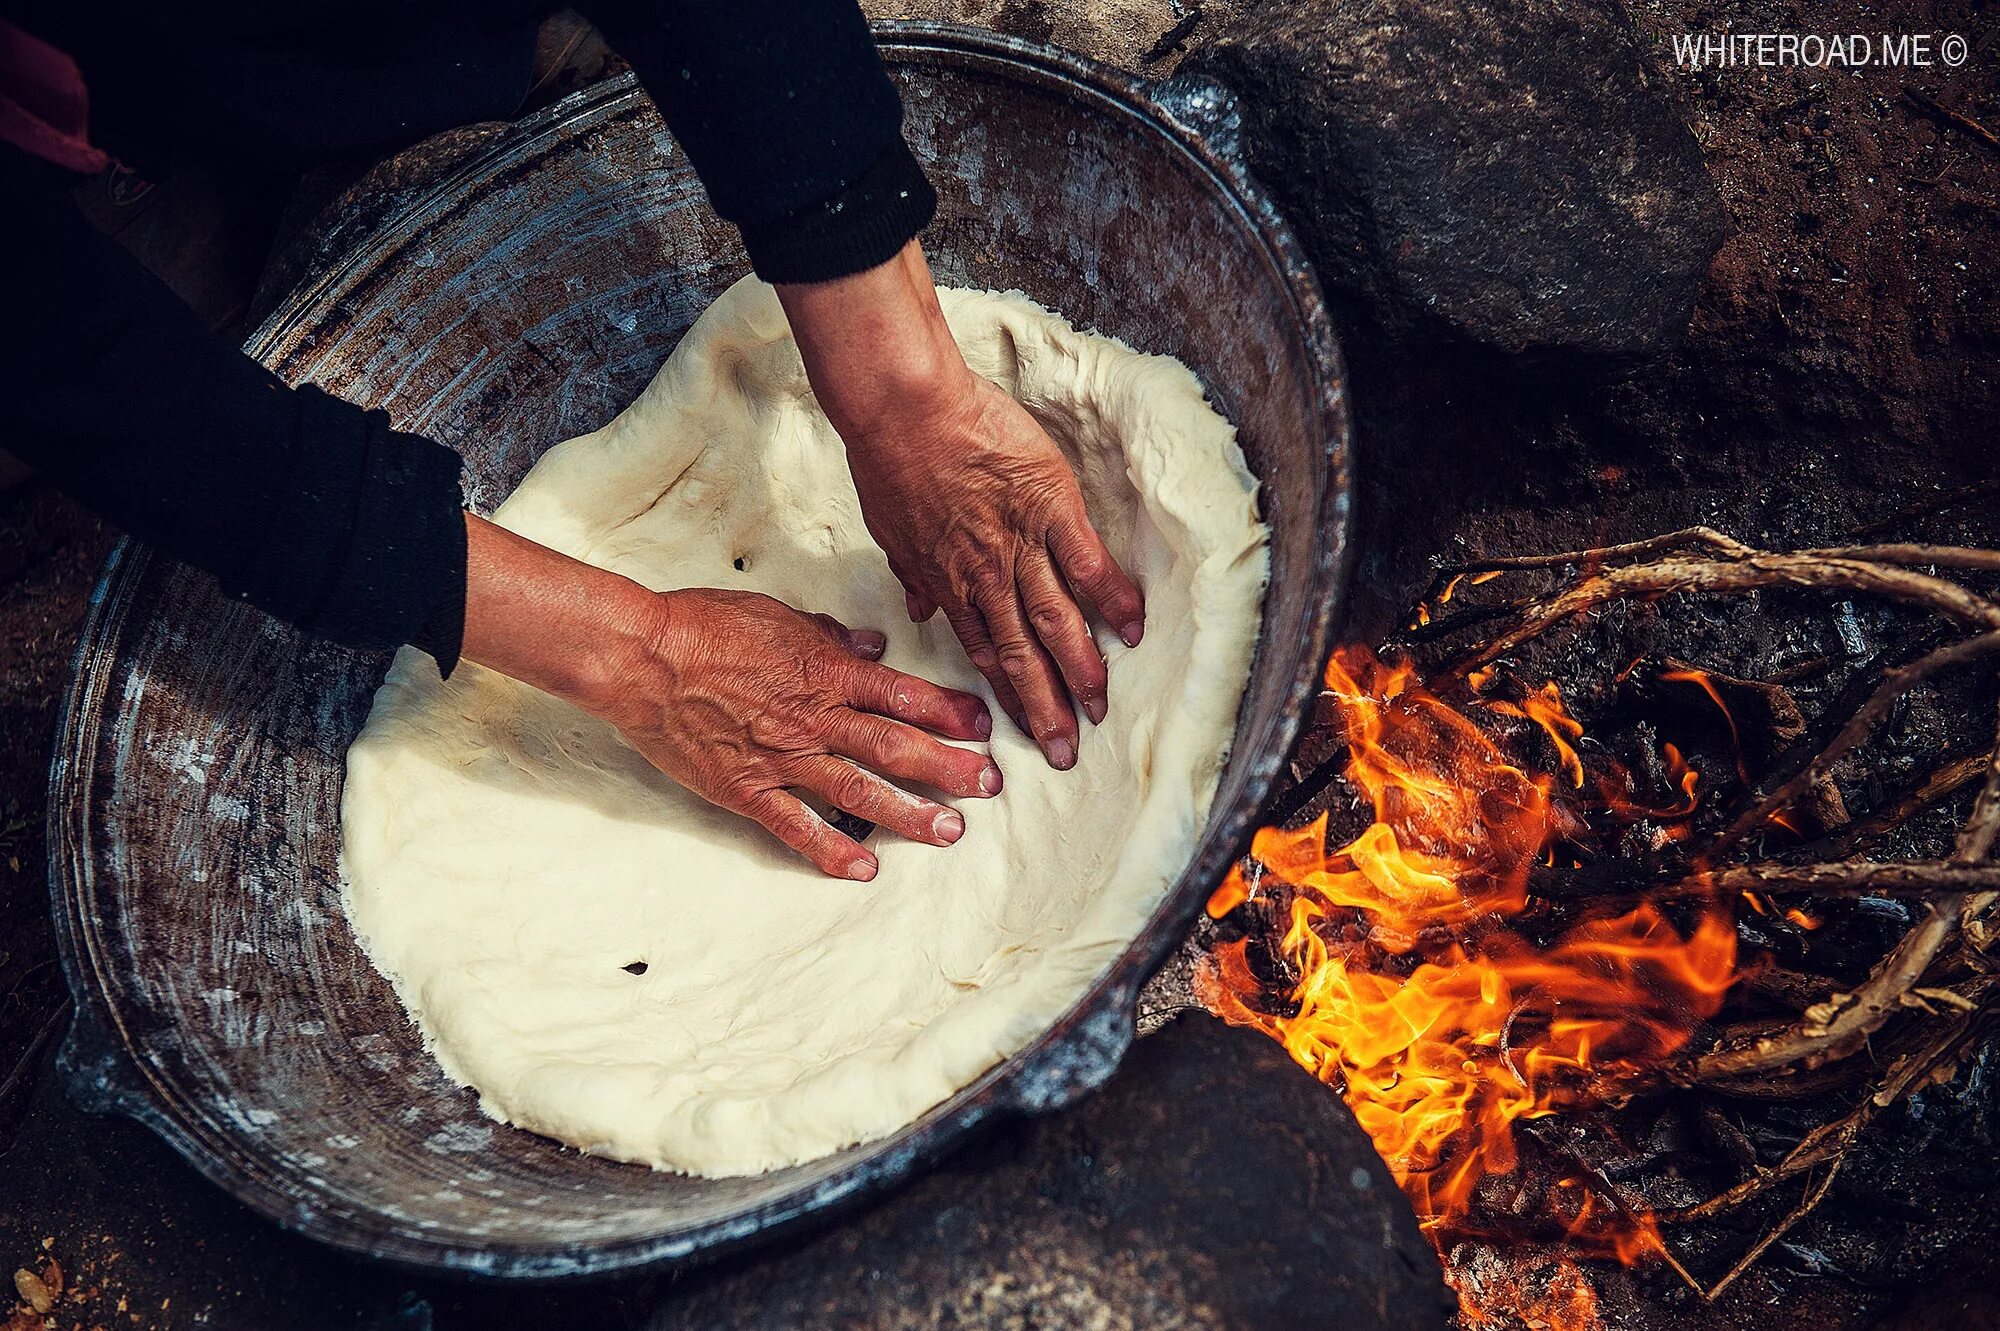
[1929, 1000]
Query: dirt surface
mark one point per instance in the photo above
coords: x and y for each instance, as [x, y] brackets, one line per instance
[1840, 368]
[50, 551]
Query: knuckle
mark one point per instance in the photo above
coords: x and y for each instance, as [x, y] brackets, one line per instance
[774, 732]
[1088, 564]
[1017, 660]
[851, 787]
[984, 571]
[1048, 618]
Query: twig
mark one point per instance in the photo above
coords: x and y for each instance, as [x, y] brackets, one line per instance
[1688, 538]
[1910, 1073]
[1173, 38]
[1894, 684]
[1287, 805]
[1940, 556]
[1845, 878]
[1956, 119]
[1841, 1026]
[1942, 782]
[1751, 573]
[28, 1055]
[1815, 1194]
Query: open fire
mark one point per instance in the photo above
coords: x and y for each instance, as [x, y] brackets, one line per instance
[1425, 979]
[1506, 924]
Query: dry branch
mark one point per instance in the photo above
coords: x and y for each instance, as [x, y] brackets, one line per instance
[1922, 591]
[1841, 1026]
[1940, 783]
[1895, 683]
[1815, 1194]
[1930, 1059]
[1939, 556]
[1852, 878]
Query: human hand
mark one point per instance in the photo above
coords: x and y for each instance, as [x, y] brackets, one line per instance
[738, 697]
[975, 506]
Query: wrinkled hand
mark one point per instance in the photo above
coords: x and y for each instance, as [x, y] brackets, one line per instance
[974, 504]
[739, 697]
[981, 517]
[746, 700]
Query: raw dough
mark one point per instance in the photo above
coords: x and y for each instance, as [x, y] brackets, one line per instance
[507, 856]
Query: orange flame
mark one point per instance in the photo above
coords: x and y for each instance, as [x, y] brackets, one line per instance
[1442, 1022]
[1701, 680]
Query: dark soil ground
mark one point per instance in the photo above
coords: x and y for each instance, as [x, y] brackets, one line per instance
[1840, 370]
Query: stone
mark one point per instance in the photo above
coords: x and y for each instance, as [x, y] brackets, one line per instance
[1211, 1183]
[1507, 173]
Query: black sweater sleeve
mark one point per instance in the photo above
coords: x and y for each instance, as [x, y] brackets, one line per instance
[311, 508]
[299, 503]
[786, 113]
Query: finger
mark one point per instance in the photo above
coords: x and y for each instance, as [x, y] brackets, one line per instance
[1064, 633]
[864, 643]
[1081, 556]
[1028, 667]
[908, 754]
[877, 688]
[920, 606]
[971, 630]
[787, 818]
[883, 803]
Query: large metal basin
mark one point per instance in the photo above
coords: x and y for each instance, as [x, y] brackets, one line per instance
[196, 790]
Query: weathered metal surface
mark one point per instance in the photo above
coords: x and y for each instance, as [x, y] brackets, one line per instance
[195, 797]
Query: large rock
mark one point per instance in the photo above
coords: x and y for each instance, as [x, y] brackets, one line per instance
[1507, 171]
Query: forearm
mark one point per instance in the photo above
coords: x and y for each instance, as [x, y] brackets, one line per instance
[566, 627]
[876, 345]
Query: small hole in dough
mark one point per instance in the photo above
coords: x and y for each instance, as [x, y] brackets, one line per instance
[737, 563]
[636, 968]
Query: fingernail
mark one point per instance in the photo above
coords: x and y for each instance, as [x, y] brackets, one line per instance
[983, 659]
[982, 725]
[1094, 709]
[948, 827]
[869, 643]
[1131, 633]
[862, 870]
[989, 780]
[1062, 754]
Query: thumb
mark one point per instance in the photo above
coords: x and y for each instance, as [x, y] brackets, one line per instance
[864, 643]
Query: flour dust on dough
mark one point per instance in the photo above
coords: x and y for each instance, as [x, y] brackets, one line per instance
[507, 857]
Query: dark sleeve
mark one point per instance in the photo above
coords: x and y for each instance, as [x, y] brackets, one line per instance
[306, 506]
[789, 118]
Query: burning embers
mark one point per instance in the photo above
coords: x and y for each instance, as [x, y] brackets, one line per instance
[1428, 982]
[1509, 924]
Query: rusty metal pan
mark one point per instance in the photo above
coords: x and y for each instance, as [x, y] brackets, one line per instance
[194, 802]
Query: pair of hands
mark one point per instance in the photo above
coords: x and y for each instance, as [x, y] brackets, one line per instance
[748, 702]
